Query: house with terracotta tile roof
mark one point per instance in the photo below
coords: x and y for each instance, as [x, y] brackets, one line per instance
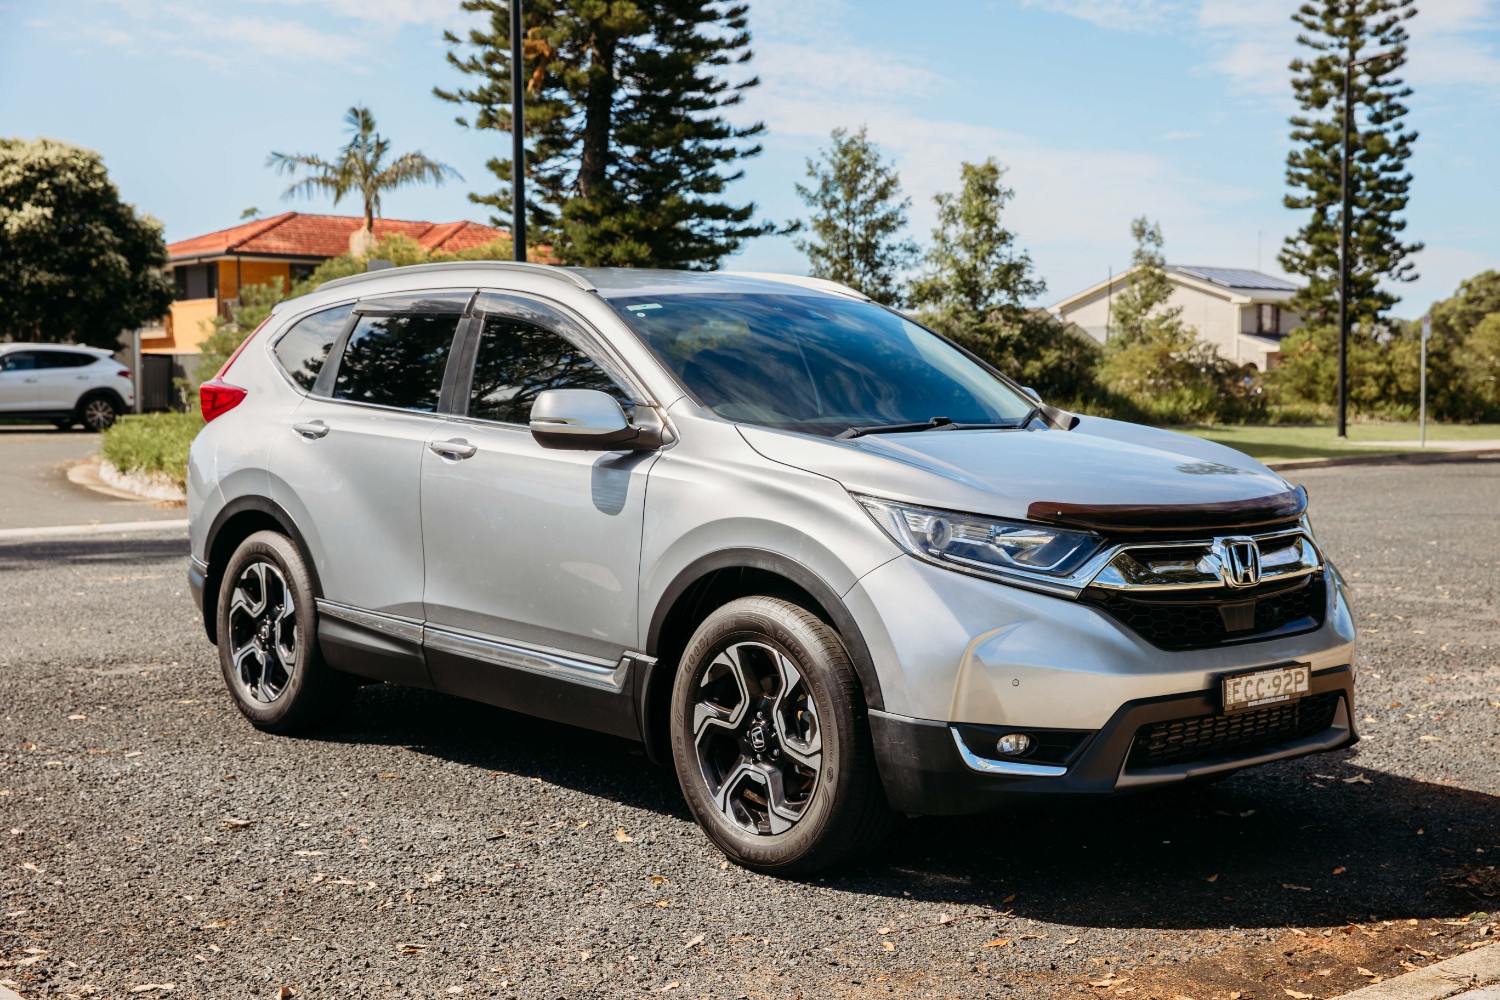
[210, 270]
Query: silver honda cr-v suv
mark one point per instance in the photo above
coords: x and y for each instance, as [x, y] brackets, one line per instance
[827, 563]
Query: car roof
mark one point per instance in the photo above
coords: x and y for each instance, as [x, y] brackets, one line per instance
[102, 352]
[607, 282]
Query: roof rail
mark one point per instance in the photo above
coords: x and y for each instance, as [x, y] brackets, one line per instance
[818, 284]
[542, 270]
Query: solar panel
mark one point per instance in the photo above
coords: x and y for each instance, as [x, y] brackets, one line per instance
[1234, 277]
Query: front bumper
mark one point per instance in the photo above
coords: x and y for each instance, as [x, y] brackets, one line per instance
[926, 770]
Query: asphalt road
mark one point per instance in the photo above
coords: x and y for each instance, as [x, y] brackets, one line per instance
[35, 490]
[428, 847]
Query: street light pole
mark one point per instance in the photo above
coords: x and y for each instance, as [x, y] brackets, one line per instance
[518, 135]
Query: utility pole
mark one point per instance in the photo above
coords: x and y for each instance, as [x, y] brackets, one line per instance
[1422, 418]
[517, 135]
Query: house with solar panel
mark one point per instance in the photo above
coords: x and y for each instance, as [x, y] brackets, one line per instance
[1241, 312]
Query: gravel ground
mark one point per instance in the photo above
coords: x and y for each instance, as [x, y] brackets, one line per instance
[152, 844]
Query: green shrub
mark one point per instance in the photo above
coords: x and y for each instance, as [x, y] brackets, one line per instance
[152, 443]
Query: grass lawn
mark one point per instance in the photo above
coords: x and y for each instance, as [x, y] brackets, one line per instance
[1297, 441]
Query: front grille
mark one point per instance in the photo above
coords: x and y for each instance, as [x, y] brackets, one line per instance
[1205, 737]
[1193, 621]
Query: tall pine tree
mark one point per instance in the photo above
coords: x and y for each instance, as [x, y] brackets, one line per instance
[1335, 32]
[858, 216]
[628, 149]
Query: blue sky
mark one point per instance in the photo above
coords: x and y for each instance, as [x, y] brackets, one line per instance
[1101, 110]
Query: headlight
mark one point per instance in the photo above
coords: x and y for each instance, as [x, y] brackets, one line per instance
[984, 545]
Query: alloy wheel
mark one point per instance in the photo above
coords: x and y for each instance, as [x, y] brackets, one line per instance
[98, 414]
[757, 738]
[262, 632]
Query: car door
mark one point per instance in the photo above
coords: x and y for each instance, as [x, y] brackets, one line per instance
[18, 382]
[349, 468]
[532, 554]
[61, 377]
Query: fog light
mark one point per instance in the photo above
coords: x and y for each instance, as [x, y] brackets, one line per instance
[1013, 744]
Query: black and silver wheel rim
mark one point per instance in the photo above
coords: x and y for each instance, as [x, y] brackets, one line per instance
[757, 737]
[98, 414]
[262, 633]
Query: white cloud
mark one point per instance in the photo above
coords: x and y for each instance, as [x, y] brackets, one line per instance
[1073, 205]
[1120, 15]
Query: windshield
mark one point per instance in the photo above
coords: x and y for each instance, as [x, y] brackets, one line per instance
[816, 364]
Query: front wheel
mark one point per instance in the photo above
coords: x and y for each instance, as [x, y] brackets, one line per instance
[268, 648]
[770, 741]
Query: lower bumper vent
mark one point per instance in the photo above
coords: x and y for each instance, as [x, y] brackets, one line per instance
[1206, 737]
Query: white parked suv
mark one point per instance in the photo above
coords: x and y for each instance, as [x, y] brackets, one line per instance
[828, 564]
[63, 385]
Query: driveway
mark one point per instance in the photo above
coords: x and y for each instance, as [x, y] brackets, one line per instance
[35, 491]
[428, 847]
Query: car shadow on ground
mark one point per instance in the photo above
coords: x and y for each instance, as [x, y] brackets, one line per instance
[1318, 841]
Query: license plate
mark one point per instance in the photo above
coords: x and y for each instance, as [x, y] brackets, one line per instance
[1260, 688]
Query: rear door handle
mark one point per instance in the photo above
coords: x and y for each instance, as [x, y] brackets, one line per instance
[311, 429]
[457, 448]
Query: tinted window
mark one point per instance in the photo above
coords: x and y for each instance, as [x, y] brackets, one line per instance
[396, 361]
[815, 363]
[304, 348]
[517, 360]
[18, 361]
[64, 359]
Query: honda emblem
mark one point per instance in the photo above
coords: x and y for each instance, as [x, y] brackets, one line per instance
[1239, 561]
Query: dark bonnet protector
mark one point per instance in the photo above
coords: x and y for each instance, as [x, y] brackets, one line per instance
[1230, 515]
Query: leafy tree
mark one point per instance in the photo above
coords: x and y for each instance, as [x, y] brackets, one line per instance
[1140, 311]
[858, 215]
[363, 167]
[1456, 317]
[629, 153]
[1336, 31]
[77, 265]
[974, 271]
[1157, 361]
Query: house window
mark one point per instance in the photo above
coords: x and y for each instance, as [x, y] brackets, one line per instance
[1268, 320]
[301, 272]
[197, 281]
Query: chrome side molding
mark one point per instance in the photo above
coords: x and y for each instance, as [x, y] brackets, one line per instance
[1017, 768]
[603, 675]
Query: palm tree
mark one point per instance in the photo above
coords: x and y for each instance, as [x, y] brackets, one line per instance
[360, 167]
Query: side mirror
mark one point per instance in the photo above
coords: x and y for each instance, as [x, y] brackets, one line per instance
[1031, 394]
[586, 420]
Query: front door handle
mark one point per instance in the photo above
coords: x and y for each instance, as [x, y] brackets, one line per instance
[457, 448]
[311, 429]
[29, 381]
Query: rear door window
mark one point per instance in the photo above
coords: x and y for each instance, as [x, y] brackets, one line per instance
[17, 361]
[517, 360]
[397, 360]
[303, 349]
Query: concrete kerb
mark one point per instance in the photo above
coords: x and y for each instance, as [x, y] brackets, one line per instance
[1451, 977]
[1395, 458]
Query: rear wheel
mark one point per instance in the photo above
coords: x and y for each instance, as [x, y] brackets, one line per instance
[267, 629]
[98, 413]
[770, 740]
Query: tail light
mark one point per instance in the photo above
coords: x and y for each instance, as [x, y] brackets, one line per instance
[217, 397]
[123, 373]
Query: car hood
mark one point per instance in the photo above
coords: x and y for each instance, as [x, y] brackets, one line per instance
[1004, 472]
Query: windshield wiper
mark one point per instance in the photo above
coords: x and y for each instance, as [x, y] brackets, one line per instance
[935, 424]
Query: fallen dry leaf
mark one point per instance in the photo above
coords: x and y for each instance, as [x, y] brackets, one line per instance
[997, 943]
[1299, 888]
[1212, 878]
[695, 942]
[1009, 899]
[882, 930]
[1298, 996]
[1339, 870]
[232, 823]
[153, 988]
[887, 946]
[1358, 779]
[621, 837]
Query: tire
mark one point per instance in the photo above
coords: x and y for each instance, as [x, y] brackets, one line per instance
[97, 413]
[765, 696]
[268, 650]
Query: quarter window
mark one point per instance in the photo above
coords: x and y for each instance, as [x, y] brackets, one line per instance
[64, 359]
[303, 349]
[517, 360]
[396, 361]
